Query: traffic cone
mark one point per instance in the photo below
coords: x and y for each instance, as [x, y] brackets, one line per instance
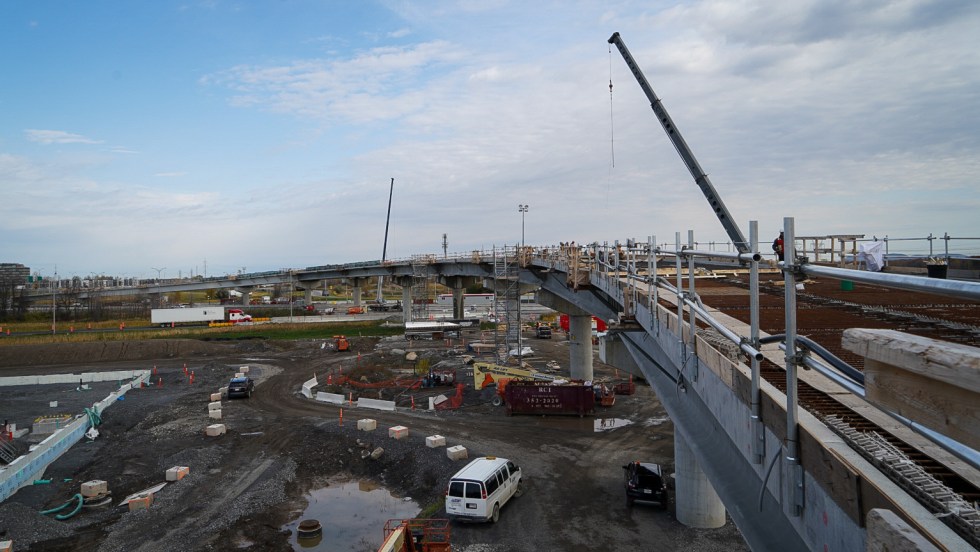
[191, 382]
[341, 416]
[160, 382]
[329, 379]
[154, 369]
[350, 399]
[413, 402]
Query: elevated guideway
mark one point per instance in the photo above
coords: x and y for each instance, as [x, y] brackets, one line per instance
[791, 477]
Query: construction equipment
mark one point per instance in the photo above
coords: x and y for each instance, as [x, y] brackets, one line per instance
[700, 178]
[416, 535]
[485, 373]
[341, 345]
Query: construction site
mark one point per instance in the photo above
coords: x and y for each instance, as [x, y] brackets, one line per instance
[174, 463]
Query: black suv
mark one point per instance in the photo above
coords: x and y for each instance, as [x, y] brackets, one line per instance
[645, 481]
[240, 387]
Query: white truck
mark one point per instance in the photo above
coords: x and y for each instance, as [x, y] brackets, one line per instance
[167, 317]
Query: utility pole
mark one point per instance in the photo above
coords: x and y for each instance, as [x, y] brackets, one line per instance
[384, 249]
[445, 245]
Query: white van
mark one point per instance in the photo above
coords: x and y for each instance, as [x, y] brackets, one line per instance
[479, 490]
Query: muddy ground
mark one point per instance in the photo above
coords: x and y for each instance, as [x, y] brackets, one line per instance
[246, 485]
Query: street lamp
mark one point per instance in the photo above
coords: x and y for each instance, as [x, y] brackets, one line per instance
[159, 270]
[522, 208]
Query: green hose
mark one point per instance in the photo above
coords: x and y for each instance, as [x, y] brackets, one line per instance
[62, 517]
[93, 417]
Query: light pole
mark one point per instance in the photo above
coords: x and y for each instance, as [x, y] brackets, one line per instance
[522, 209]
[159, 270]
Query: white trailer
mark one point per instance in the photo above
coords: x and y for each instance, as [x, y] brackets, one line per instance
[191, 314]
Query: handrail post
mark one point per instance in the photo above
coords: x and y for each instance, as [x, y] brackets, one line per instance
[758, 430]
[680, 305]
[794, 505]
[693, 297]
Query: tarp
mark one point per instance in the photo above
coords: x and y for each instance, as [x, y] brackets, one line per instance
[872, 255]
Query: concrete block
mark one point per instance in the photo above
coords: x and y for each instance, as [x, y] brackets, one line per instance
[376, 453]
[456, 453]
[214, 414]
[53, 404]
[239, 375]
[95, 487]
[398, 432]
[177, 473]
[215, 397]
[141, 502]
[243, 369]
[216, 405]
[367, 424]
[214, 430]
[224, 392]
[435, 441]
[6, 546]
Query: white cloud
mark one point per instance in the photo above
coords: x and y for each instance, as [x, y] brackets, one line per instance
[57, 137]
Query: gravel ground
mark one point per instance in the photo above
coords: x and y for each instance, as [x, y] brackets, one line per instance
[246, 485]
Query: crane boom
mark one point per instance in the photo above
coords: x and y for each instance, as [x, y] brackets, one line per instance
[700, 178]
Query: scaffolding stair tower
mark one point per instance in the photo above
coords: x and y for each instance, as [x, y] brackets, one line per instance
[507, 297]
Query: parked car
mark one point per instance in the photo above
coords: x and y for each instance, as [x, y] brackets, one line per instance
[479, 490]
[645, 482]
[543, 332]
[241, 387]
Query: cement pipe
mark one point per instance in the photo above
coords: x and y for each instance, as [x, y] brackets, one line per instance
[950, 288]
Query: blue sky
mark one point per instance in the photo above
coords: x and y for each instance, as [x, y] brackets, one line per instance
[263, 135]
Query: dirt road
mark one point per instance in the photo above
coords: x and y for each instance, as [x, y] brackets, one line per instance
[246, 485]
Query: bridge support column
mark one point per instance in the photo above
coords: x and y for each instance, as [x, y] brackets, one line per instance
[246, 295]
[406, 284]
[698, 505]
[356, 291]
[308, 296]
[579, 333]
[458, 303]
[580, 346]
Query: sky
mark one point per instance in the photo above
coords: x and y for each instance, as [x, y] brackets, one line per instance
[214, 137]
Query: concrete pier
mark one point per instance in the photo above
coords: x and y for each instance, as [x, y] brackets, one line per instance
[580, 346]
[697, 503]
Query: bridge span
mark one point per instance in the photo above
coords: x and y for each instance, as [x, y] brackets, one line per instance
[788, 439]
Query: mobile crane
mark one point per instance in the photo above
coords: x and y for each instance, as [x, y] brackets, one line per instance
[700, 178]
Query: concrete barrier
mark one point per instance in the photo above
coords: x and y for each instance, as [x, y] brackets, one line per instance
[25, 469]
[95, 487]
[87, 377]
[308, 386]
[367, 424]
[214, 430]
[398, 432]
[376, 404]
[216, 405]
[215, 397]
[457, 452]
[177, 473]
[332, 398]
[435, 441]
[214, 414]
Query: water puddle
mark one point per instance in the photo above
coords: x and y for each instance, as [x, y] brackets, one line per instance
[608, 424]
[352, 514]
[655, 421]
